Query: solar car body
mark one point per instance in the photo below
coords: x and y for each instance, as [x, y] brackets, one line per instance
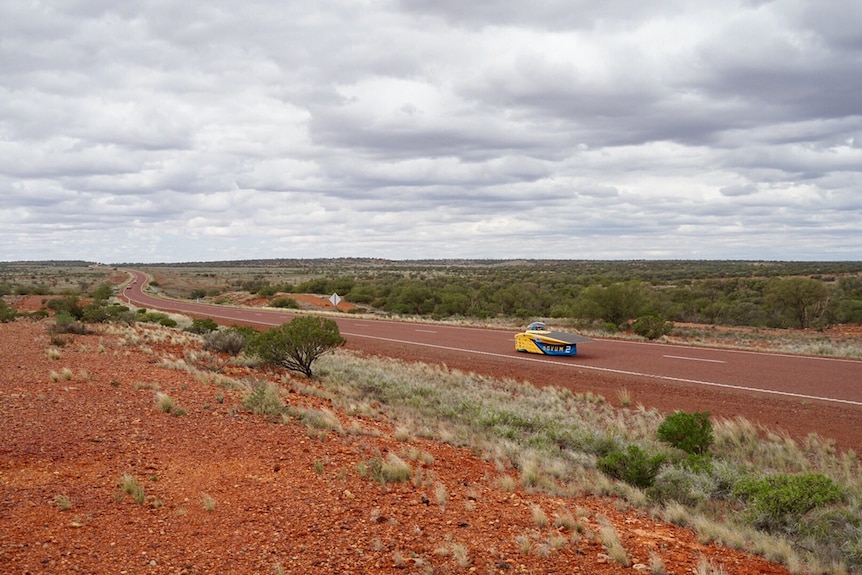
[537, 338]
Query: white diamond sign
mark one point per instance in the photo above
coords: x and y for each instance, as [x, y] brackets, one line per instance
[335, 299]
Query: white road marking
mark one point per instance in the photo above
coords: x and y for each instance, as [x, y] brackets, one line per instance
[693, 358]
[426, 330]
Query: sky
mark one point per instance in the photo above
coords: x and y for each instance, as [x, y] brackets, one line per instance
[162, 131]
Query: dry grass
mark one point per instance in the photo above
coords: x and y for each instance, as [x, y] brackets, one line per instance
[130, 486]
[207, 502]
[610, 539]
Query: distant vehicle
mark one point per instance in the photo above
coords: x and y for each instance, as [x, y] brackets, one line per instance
[537, 338]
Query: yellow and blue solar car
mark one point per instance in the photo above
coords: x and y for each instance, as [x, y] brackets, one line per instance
[537, 338]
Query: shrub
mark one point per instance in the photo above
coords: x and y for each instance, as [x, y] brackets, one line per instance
[634, 466]
[298, 344]
[682, 484]
[202, 326]
[652, 326]
[691, 432]
[838, 532]
[69, 304]
[263, 398]
[65, 322]
[7, 313]
[285, 302]
[100, 312]
[230, 341]
[160, 318]
[779, 501]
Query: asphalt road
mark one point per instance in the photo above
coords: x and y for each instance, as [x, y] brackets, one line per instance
[836, 382]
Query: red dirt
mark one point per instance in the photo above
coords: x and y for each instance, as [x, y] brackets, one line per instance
[284, 497]
[305, 301]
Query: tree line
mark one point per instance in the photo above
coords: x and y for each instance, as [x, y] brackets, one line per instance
[790, 295]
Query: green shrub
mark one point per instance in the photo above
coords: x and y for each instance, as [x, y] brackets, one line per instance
[285, 302]
[634, 466]
[69, 304]
[202, 326]
[65, 322]
[776, 502]
[298, 344]
[652, 326]
[157, 317]
[7, 313]
[691, 432]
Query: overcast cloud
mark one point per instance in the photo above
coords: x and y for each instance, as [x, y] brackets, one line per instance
[167, 132]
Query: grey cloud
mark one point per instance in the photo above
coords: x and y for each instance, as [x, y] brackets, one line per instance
[430, 129]
[738, 190]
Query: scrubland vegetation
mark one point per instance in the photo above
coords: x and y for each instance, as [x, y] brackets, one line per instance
[643, 295]
[647, 297]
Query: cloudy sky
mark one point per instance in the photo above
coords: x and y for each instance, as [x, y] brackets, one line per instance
[168, 131]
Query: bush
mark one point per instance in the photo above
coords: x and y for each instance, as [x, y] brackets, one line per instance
[298, 344]
[7, 313]
[682, 484]
[230, 341]
[652, 326]
[157, 317]
[69, 304]
[838, 532]
[776, 502]
[64, 322]
[691, 432]
[285, 302]
[202, 325]
[263, 398]
[634, 466]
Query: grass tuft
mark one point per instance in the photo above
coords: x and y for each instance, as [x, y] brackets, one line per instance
[62, 502]
[130, 486]
[610, 539]
[208, 503]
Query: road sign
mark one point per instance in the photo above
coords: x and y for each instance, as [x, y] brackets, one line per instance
[335, 299]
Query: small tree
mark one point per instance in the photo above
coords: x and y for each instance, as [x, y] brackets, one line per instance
[296, 345]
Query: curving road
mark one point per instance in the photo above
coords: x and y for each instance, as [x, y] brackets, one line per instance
[725, 380]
